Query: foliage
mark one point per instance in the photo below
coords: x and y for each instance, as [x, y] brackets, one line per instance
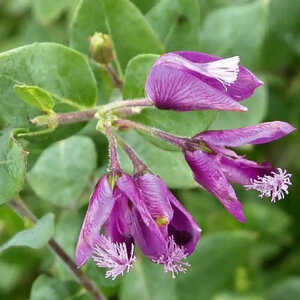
[45, 66]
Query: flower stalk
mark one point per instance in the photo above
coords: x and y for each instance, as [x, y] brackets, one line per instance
[170, 138]
[23, 211]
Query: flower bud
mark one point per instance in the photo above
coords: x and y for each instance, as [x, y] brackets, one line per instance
[101, 48]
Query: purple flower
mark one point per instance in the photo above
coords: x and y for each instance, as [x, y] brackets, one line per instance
[186, 81]
[216, 165]
[138, 210]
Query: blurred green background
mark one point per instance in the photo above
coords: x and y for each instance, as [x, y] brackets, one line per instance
[253, 261]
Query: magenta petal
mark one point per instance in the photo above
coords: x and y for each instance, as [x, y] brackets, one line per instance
[241, 89]
[241, 170]
[183, 227]
[155, 194]
[99, 209]
[148, 236]
[208, 173]
[117, 226]
[176, 89]
[257, 134]
[127, 185]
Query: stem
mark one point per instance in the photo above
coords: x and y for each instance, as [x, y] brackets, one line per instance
[65, 118]
[86, 115]
[22, 210]
[114, 164]
[114, 76]
[125, 103]
[138, 166]
[172, 139]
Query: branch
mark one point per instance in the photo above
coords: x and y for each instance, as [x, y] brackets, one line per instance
[25, 212]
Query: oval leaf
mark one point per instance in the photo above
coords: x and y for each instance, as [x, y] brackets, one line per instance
[36, 237]
[127, 25]
[65, 166]
[35, 96]
[12, 166]
[89, 18]
[53, 67]
[236, 30]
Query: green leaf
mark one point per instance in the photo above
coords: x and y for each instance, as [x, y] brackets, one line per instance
[147, 281]
[58, 69]
[89, 18]
[184, 124]
[286, 290]
[144, 6]
[136, 74]
[170, 165]
[213, 264]
[177, 22]
[35, 96]
[65, 166]
[126, 26]
[47, 288]
[47, 11]
[12, 166]
[35, 237]
[236, 30]
[257, 108]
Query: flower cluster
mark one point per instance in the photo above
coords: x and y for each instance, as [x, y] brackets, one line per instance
[126, 211]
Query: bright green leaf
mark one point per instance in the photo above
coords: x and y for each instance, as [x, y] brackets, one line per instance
[35, 96]
[67, 166]
[127, 26]
[88, 18]
[236, 30]
[257, 108]
[213, 264]
[12, 166]
[148, 281]
[35, 237]
[53, 67]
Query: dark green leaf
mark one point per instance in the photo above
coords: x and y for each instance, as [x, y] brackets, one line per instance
[170, 165]
[67, 166]
[53, 67]
[89, 18]
[12, 166]
[47, 11]
[36, 237]
[286, 290]
[127, 25]
[35, 96]
[148, 281]
[48, 288]
[177, 22]
[236, 30]
[213, 263]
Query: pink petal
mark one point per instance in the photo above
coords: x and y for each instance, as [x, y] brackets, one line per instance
[208, 173]
[257, 134]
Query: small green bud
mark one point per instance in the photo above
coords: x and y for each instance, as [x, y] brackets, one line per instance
[101, 48]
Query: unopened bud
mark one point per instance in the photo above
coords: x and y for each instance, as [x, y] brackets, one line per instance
[101, 48]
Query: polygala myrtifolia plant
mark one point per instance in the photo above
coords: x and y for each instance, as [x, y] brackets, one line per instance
[138, 210]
